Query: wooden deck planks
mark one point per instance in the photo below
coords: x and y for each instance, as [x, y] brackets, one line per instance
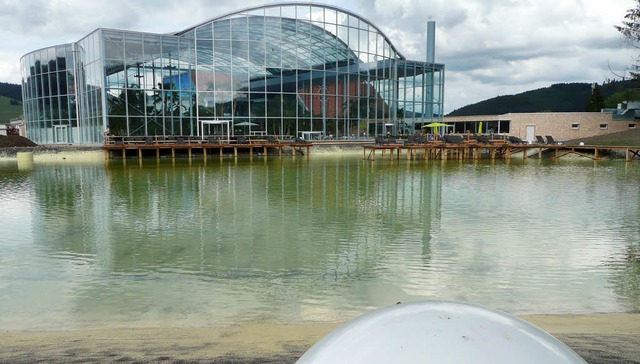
[500, 150]
[204, 148]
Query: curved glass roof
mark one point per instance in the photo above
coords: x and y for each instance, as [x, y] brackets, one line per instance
[300, 43]
[303, 44]
[299, 4]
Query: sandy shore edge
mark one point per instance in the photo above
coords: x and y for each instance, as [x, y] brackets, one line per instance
[599, 338]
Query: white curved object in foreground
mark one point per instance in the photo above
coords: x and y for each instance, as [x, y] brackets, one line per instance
[439, 332]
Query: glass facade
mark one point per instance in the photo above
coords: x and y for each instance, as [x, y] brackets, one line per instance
[287, 70]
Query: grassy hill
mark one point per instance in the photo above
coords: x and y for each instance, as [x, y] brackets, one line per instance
[562, 97]
[624, 138]
[10, 101]
[9, 111]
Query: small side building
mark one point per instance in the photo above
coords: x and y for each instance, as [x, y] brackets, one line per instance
[561, 125]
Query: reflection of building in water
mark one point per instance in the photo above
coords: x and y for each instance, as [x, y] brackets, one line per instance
[371, 210]
[141, 236]
[287, 233]
[335, 218]
[286, 68]
[71, 214]
[408, 206]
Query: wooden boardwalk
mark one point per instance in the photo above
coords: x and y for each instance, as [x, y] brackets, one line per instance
[466, 151]
[142, 147]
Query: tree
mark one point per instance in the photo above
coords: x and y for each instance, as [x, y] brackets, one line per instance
[630, 29]
[620, 97]
[596, 101]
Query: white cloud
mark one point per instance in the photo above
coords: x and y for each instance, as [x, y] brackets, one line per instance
[489, 47]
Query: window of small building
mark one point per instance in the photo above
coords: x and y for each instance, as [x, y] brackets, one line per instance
[632, 126]
[503, 126]
[604, 126]
[575, 126]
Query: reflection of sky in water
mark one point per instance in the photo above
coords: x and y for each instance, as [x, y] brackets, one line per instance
[325, 239]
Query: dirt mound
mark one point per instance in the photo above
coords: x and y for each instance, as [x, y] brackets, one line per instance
[15, 141]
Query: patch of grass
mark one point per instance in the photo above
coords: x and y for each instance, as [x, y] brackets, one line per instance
[624, 138]
[8, 111]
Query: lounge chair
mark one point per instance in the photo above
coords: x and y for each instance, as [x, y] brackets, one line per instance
[514, 140]
[550, 140]
[540, 139]
[483, 139]
[452, 139]
[411, 140]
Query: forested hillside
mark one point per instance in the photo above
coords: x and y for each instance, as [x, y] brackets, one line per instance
[11, 91]
[562, 97]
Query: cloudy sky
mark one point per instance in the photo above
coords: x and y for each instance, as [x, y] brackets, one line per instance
[489, 47]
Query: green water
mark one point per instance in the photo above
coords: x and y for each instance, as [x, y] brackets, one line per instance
[319, 239]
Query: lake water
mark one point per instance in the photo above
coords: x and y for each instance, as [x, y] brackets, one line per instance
[199, 243]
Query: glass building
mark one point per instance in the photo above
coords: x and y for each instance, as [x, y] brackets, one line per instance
[290, 70]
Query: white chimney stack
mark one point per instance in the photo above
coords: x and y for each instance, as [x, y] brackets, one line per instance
[431, 41]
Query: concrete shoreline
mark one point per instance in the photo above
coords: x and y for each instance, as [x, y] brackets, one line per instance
[599, 338]
[49, 149]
